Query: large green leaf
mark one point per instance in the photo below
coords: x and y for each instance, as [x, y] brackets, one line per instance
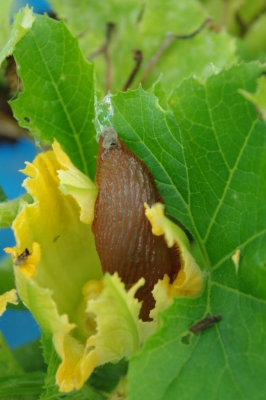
[58, 97]
[208, 161]
[224, 147]
[225, 361]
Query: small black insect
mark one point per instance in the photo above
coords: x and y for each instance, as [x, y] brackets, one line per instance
[205, 323]
[22, 257]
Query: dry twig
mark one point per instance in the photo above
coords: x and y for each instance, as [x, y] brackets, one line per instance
[170, 37]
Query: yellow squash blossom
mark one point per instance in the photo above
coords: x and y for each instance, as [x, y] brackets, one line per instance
[92, 318]
[8, 297]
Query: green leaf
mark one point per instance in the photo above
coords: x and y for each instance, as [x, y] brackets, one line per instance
[227, 15]
[52, 360]
[254, 41]
[9, 209]
[183, 57]
[50, 63]
[90, 21]
[23, 21]
[4, 22]
[29, 356]
[208, 161]
[8, 364]
[2, 195]
[21, 387]
[224, 361]
[145, 27]
[224, 148]
[157, 17]
[90, 18]
[259, 97]
[107, 376]
[7, 281]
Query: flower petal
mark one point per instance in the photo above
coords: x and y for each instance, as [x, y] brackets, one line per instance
[115, 312]
[39, 300]
[27, 261]
[189, 281]
[8, 297]
[76, 184]
[161, 225]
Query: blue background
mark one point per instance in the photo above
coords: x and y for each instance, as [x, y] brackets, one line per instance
[18, 327]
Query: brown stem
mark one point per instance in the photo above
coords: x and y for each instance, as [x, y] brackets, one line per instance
[108, 71]
[109, 29]
[244, 27]
[138, 58]
[104, 49]
[170, 37]
[224, 13]
[141, 12]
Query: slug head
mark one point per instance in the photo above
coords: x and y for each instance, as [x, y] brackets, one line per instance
[110, 138]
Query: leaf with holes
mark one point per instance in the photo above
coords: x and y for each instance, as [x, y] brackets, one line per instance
[208, 158]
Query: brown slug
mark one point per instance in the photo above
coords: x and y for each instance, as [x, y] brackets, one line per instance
[123, 235]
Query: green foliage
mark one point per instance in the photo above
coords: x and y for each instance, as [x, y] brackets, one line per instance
[30, 357]
[7, 281]
[23, 21]
[258, 98]
[9, 209]
[8, 364]
[199, 130]
[21, 387]
[217, 363]
[14, 384]
[208, 161]
[52, 360]
[106, 377]
[4, 22]
[65, 109]
[145, 27]
[244, 19]
[2, 195]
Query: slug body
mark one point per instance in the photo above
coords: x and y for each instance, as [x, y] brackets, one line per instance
[123, 235]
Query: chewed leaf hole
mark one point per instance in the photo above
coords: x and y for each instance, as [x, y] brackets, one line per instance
[186, 339]
[27, 119]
